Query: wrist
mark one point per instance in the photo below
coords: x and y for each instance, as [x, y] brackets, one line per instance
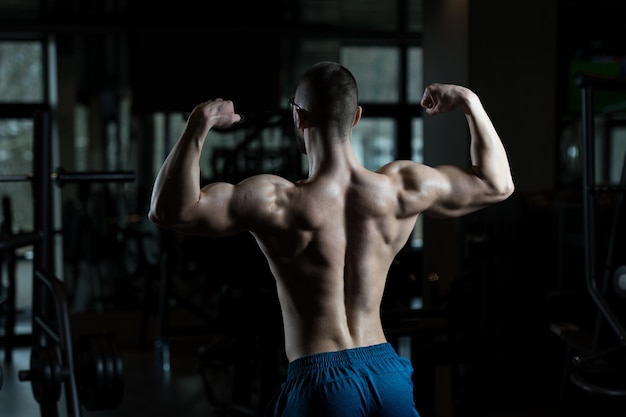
[469, 101]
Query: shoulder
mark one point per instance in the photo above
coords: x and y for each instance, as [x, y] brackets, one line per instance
[407, 173]
[260, 193]
[417, 186]
[264, 183]
[261, 196]
[400, 166]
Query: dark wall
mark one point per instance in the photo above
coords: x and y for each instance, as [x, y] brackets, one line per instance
[175, 68]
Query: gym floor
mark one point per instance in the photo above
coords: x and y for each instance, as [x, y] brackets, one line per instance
[149, 391]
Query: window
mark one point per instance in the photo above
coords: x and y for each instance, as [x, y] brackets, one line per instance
[377, 70]
[16, 157]
[373, 141]
[21, 82]
[21, 78]
[617, 154]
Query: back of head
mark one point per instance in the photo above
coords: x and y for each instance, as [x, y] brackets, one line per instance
[328, 91]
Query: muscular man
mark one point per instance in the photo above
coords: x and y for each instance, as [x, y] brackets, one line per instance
[330, 238]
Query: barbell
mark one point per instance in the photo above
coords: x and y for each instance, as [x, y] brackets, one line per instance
[61, 177]
[99, 373]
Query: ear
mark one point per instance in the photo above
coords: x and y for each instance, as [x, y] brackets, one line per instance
[301, 118]
[357, 116]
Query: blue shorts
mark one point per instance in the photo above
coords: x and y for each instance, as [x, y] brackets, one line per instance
[366, 381]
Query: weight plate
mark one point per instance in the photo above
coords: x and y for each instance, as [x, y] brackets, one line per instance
[99, 372]
[45, 375]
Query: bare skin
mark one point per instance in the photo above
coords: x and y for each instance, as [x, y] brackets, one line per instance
[330, 239]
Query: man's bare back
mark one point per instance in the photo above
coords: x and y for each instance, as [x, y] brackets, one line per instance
[330, 239]
[330, 247]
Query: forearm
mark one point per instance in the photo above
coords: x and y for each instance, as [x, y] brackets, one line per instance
[177, 185]
[488, 155]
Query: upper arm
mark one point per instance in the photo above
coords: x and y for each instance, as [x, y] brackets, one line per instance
[443, 191]
[224, 208]
[459, 191]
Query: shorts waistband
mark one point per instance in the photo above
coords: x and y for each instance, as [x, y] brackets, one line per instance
[340, 358]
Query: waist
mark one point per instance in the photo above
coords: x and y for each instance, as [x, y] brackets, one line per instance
[328, 334]
[353, 356]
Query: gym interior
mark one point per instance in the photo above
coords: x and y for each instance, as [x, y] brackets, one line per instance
[516, 310]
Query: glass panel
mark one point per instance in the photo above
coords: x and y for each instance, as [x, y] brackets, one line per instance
[81, 137]
[21, 72]
[374, 141]
[415, 73]
[617, 153]
[16, 158]
[417, 140]
[376, 69]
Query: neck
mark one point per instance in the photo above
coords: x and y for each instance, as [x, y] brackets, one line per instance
[326, 157]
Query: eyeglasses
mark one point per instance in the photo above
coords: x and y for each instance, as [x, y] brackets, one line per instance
[292, 103]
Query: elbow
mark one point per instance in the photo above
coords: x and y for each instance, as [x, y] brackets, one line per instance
[154, 218]
[167, 222]
[506, 190]
[174, 220]
[510, 190]
[161, 217]
[158, 219]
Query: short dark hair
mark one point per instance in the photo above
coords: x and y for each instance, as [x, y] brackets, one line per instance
[328, 90]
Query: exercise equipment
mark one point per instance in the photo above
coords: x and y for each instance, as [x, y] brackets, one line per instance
[51, 362]
[99, 372]
[91, 369]
[8, 293]
[596, 363]
[88, 371]
[619, 281]
[62, 177]
[46, 374]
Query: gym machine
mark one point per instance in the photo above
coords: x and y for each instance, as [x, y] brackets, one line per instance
[88, 369]
[596, 362]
